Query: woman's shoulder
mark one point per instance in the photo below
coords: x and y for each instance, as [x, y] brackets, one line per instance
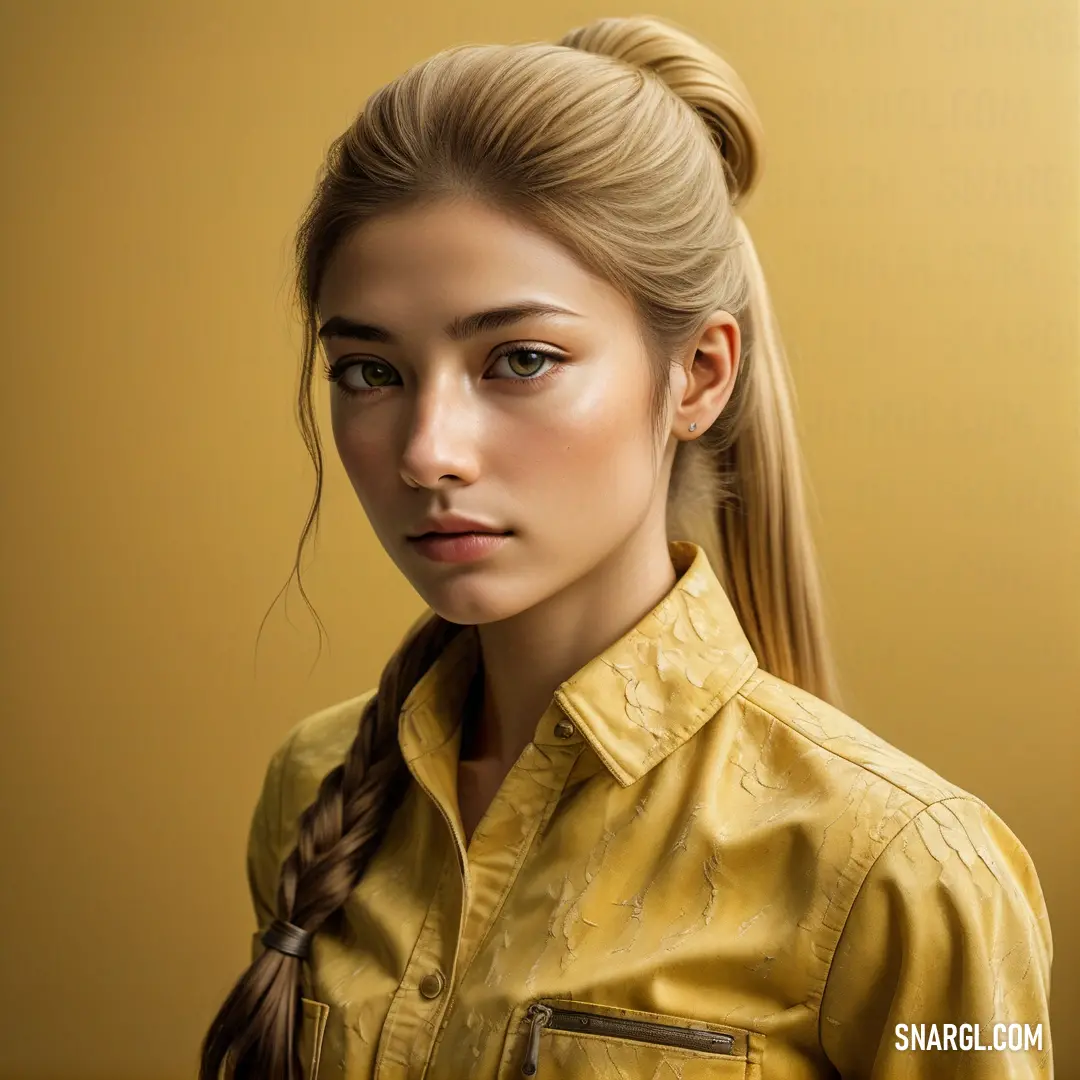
[312, 747]
[813, 729]
[907, 843]
[858, 796]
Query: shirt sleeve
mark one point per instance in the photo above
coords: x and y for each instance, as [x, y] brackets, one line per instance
[946, 948]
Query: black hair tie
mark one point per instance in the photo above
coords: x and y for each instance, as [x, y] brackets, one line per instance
[288, 939]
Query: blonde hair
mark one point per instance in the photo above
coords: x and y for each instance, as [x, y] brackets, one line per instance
[631, 143]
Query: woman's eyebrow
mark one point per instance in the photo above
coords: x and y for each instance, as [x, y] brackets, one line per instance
[460, 328]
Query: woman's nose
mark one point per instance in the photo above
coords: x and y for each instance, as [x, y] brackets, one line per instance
[442, 442]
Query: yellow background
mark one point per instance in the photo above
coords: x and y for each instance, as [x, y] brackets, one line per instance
[918, 222]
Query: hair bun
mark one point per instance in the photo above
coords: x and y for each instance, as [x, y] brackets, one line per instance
[697, 74]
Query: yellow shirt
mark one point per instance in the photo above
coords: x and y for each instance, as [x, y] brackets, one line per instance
[695, 870]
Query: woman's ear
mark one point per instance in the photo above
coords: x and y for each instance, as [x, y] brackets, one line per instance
[706, 375]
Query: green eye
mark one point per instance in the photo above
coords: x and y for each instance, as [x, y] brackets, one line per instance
[367, 365]
[525, 364]
[539, 359]
[383, 375]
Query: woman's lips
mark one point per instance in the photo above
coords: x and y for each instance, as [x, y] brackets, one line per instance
[459, 547]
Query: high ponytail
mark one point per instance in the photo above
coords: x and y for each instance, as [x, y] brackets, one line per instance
[766, 559]
[739, 491]
[258, 1025]
[630, 143]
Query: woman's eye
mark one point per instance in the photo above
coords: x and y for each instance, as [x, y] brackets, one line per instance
[529, 367]
[369, 375]
[374, 373]
[520, 365]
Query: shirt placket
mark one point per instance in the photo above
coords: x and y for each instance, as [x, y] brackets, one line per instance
[413, 1018]
[471, 886]
[500, 845]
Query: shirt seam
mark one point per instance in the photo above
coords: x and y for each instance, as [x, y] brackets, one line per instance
[966, 797]
[953, 793]
[285, 751]
[286, 760]
[285, 756]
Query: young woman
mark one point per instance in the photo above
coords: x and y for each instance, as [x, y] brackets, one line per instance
[602, 816]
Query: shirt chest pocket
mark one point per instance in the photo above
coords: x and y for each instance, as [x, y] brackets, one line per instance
[313, 1019]
[575, 1040]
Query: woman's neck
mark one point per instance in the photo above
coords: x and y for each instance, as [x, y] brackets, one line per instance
[526, 658]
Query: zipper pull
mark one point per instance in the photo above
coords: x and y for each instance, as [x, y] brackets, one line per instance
[540, 1015]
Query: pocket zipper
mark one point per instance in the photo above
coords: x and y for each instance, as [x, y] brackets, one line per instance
[686, 1038]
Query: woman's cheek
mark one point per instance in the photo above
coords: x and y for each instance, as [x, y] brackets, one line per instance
[357, 444]
[365, 466]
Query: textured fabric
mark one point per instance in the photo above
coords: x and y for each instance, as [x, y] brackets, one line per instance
[702, 846]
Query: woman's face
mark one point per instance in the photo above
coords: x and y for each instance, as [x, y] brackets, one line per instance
[539, 426]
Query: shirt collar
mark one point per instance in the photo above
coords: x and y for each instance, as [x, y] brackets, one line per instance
[635, 703]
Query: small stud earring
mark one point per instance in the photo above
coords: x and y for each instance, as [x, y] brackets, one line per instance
[693, 426]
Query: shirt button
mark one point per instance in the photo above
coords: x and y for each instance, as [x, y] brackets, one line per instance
[431, 985]
[564, 729]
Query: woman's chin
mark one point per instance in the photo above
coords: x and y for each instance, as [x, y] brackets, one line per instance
[469, 604]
